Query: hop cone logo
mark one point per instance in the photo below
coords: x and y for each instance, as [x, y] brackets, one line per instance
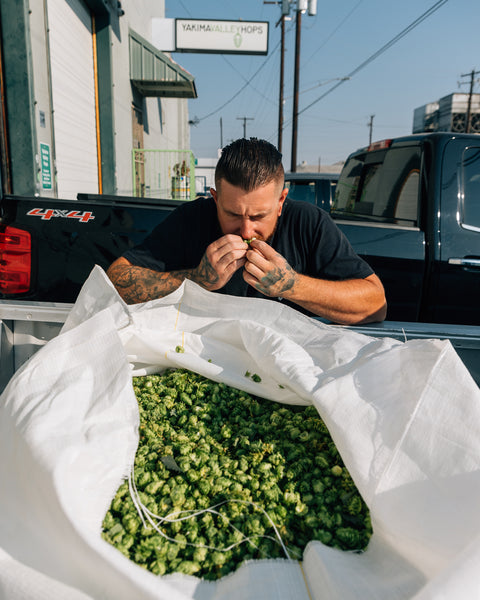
[237, 40]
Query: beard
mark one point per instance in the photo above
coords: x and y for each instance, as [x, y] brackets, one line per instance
[269, 237]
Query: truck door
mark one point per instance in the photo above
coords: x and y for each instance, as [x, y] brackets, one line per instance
[456, 276]
[377, 206]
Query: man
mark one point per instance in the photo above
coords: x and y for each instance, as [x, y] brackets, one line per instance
[250, 240]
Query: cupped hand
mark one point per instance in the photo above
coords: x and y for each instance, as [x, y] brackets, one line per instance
[221, 259]
[267, 270]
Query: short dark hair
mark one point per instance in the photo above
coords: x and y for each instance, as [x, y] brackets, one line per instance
[249, 164]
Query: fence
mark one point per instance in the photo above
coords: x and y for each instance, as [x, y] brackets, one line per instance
[163, 174]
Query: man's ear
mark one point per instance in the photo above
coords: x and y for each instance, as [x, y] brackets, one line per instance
[213, 191]
[282, 200]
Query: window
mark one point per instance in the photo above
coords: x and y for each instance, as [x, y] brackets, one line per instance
[381, 186]
[302, 190]
[471, 188]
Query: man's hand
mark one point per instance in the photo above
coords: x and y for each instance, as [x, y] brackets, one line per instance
[220, 261]
[267, 271]
[222, 258]
[347, 301]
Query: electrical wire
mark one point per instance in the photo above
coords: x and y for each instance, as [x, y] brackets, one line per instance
[333, 32]
[235, 95]
[379, 52]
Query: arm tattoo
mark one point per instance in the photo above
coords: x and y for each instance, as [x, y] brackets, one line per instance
[283, 278]
[205, 275]
[138, 284]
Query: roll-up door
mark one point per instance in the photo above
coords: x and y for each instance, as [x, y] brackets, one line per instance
[73, 92]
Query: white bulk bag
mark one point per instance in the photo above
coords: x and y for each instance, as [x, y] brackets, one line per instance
[404, 416]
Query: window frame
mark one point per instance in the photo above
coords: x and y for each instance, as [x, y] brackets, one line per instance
[462, 188]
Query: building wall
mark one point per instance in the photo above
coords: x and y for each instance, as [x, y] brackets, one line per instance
[165, 120]
[42, 107]
[29, 49]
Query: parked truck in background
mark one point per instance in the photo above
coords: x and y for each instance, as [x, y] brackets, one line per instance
[410, 206]
[315, 188]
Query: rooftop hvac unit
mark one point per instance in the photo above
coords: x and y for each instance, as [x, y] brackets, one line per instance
[425, 118]
[475, 123]
[458, 122]
[453, 112]
[448, 114]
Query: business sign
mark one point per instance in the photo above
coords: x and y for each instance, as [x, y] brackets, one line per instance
[222, 37]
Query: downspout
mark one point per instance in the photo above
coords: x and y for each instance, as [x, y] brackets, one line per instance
[97, 108]
[50, 97]
[5, 173]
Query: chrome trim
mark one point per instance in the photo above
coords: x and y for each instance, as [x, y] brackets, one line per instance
[465, 262]
[469, 227]
[375, 224]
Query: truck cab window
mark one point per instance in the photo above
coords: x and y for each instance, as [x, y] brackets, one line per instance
[302, 190]
[381, 186]
[470, 214]
[407, 203]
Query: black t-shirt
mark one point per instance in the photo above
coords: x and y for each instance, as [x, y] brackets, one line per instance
[305, 236]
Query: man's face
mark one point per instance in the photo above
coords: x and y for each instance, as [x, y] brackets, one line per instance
[249, 214]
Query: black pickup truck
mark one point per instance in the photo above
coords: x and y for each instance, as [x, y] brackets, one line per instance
[48, 247]
[410, 206]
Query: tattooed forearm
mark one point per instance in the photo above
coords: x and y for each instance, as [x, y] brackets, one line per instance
[205, 275]
[136, 284]
[277, 281]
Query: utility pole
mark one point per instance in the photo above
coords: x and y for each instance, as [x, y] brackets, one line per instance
[301, 7]
[221, 133]
[285, 4]
[298, 25]
[245, 119]
[370, 125]
[469, 106]
[280, 98]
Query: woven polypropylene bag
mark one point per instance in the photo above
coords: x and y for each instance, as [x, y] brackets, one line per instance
[404, 416]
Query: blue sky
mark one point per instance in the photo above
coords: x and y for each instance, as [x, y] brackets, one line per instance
[424, 65]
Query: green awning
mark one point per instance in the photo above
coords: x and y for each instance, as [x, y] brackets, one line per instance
[154, 73]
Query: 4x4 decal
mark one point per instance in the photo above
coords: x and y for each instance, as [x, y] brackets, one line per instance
[48, 213]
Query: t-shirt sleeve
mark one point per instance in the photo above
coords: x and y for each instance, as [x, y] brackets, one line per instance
[160, 247]
[179, 241]
[315, 245]
[337, 259]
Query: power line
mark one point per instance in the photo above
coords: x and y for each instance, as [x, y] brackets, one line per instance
[230, 64]
[245, 119]
[379, 52]
[333, 32]
[247, 83]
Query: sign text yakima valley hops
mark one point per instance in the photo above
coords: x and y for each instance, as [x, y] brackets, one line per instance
[235, 37]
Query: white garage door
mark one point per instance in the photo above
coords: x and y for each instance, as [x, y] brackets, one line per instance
[73, 91]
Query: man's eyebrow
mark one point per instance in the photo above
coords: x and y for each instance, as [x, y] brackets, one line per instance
[254, 216]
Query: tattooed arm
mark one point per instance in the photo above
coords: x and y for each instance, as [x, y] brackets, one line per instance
[220, 261]
[346, 302]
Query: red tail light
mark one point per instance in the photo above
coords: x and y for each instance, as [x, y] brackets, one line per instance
[381, 145]
[15, 260]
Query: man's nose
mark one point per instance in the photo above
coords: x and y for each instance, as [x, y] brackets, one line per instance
[246, 229]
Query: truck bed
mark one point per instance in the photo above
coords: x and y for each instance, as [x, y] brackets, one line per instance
[26, 327]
